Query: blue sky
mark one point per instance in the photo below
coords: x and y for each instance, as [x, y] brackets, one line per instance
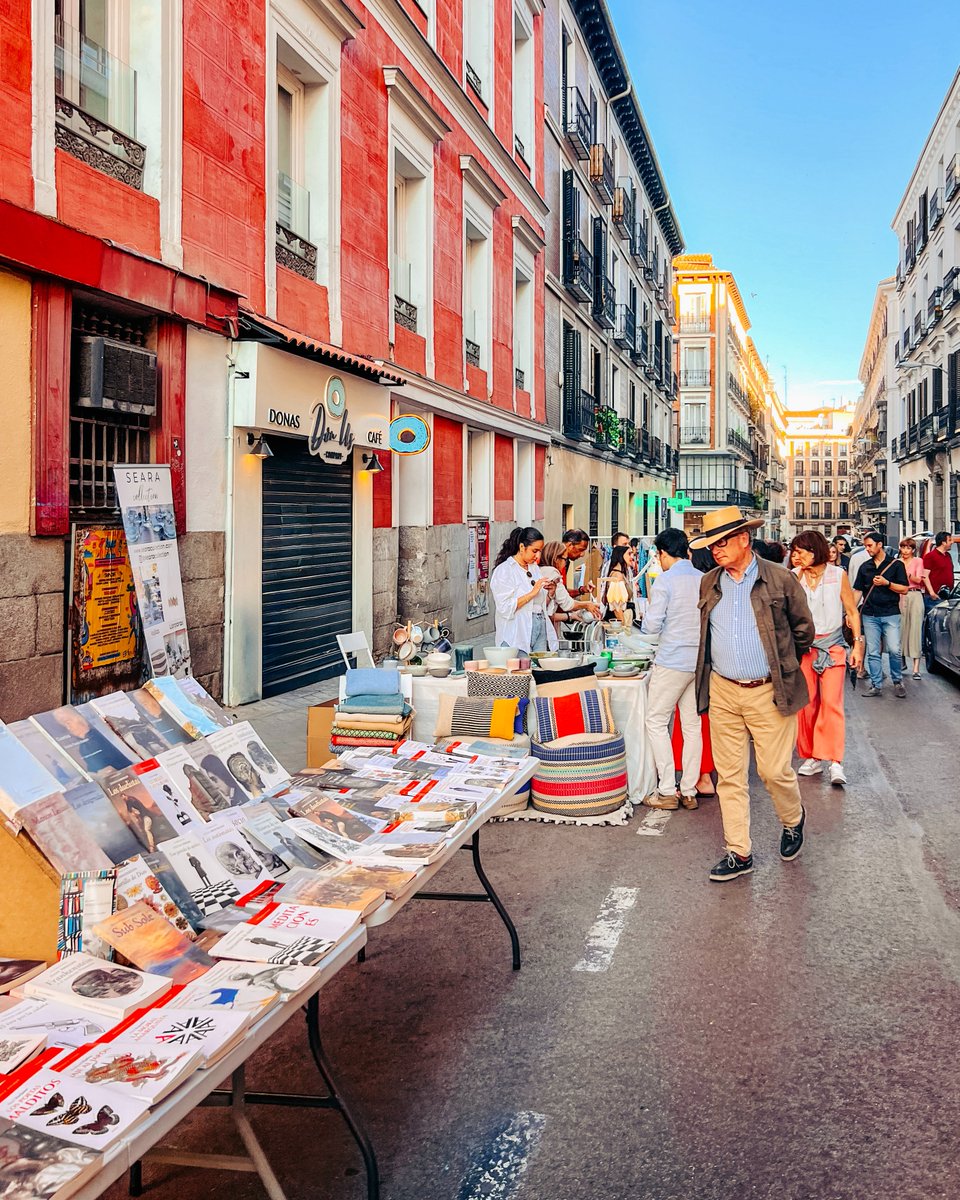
[787, 145]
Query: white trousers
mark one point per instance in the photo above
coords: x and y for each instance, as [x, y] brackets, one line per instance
[668, 689]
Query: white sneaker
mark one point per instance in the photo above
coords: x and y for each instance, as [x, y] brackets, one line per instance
[837, 777]
[810, 766]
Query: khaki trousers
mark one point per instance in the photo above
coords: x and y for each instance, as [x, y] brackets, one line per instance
[737, 717]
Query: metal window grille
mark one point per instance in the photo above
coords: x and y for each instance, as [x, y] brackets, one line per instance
[594, 511]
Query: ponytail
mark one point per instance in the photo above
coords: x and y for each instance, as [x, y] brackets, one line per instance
[519, 537]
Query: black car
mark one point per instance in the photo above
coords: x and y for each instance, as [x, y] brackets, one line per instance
[941, 633]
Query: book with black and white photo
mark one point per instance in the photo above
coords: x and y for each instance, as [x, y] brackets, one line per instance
[137, 808]
[211, 1032]
[223, 840]
[97, 986]
[288, 933]
[83, 736]
[128, 723]
[18, 1048]
[209, 884]
[206, 793]
[60, 1024]
[151, 710]
[169, 795]
[16, 971]
[36, 1166]
[137, 880]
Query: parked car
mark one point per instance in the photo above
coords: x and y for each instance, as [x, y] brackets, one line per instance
[941, 634]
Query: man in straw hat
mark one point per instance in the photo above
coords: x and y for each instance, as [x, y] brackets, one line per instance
[755, 627]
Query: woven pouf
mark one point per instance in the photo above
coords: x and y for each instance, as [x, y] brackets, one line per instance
[582, 775]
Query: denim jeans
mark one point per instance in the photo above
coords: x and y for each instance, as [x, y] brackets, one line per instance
[879, 630]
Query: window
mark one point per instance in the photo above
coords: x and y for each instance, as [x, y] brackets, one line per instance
[828, 510]
[844, 509]
[410, 233]
[632, 407]
[814, 509]
[841, 467]
[523, 85]
[295, 249]
[798, 488]
[814, 467]
[911, 501]
[614, 511]
[814, 487]
[799, 511]
[523, 328]
[843, 452]
[594, 529]
[646, 514]
[843, 487]
[476, 293]
[798, 466]
[828, 487]
[954, 502]
[478, 49]
[923, 502]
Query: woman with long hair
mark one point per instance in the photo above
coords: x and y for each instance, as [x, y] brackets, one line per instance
[521, 594]
[619, 587]
[560, 605]
[912, 607]
[820, 725]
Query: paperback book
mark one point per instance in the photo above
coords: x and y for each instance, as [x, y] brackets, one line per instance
[171, 798]
[151, 877]
[126, 721]
[248, 760]
[211, 1032]
[210, 886]
[265, 826]
[16, 971]
[18, 1048]
[137, 808]
[35, 1166]
[393, 880]
[151, 710]
[252, 943]
[22, 779]
[85, 739]
[151, 943]
[326, 891]
[225, 843]
[48, 754]
[206, 793]
[59, 1024]
[92, 806]
[195, 691]
[224, 782]
[61, 836]
[97, 986]
[86, 897]
[86, 1114]
[187, 713]
[132, 1068]
[232, 987]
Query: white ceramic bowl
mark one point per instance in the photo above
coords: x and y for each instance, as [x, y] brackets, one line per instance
[498, 656]
[417, 672]
[438, 659]
[555, 664]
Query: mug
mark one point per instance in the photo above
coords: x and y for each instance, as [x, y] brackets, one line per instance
[444, 645]
[400, 635]
[472, 664]
[429, 636]
[416, 635]
[390, 664]
[513, 664]
[524, 664]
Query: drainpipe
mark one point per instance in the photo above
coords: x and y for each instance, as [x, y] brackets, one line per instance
[228, 527]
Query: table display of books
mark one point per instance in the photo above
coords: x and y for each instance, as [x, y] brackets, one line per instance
[200, 885]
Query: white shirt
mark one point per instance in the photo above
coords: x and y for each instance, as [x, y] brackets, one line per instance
[514, 625]
[826, 604]
[562, 599]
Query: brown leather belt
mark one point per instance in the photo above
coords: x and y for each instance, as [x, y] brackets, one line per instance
[748, 683]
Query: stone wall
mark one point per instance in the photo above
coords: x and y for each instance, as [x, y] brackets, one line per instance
[201, 568]
[385, 543]
[31, 624]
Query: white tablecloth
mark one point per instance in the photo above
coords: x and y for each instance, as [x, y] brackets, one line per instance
[628, 699]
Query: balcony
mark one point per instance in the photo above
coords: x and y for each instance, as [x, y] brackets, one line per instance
[694, 435]
[577, 269]
[628, 438]
[950, 292]
[739, 442]
[698, 377]
[604, 302]
[601, 172]
[736, 392]
[606, 430]
[656, 451]
[294, 250]
[404, 311]
[934, 306]
[951, 183]
[645, 440]
[935, 209]
[721, 497]
[622, 211]
[638, 244]
[625, 330]
[658, 362]
[642, 352]
[579, 413]
[577, 123]
[96, 107]
[872, 502]
[917, 328]
[474, 80]
[694, 324]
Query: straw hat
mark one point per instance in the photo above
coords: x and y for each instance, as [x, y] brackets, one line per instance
[721, 523]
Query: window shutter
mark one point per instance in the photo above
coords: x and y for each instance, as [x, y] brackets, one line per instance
[937, 387]
[570, 197]
[571, 379]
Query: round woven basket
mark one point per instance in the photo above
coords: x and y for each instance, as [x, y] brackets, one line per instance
[578, 778]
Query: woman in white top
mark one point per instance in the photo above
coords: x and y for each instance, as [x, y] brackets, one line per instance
[820, 726]
[521, 594]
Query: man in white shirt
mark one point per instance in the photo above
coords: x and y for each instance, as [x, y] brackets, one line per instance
[673, 613]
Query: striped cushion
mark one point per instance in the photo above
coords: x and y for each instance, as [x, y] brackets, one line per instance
[578, 712]
[579, 776]
[483, 718]
[479, 684]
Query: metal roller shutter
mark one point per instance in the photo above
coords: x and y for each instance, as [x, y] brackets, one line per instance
[307, 565]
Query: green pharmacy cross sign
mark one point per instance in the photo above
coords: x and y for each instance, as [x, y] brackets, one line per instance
[680, 502]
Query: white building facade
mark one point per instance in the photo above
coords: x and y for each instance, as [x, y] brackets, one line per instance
[875, 483]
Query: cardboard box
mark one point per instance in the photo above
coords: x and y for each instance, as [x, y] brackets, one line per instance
[319, 724]
[30, 905]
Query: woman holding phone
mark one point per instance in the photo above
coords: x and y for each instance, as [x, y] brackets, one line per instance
[521, 594]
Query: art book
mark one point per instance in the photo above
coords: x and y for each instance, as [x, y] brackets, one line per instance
[73, 1110]
[125, 721]
[250, 943]
[209, 884]
[393, 880]
[22, 778]
[195, 691]
[15, 971]
[150, 709]
[131, 1068]
[206, 793]
[97, 986]
[248, 760]
[225, 843]
[61, 836]
[211, 1032]
[315, 888]
[86, 743]
[60, 1024]
[92, 806]
[265, 827]
[137, 882]
[151, 943]
[187, 713]
[17, 1048]
[35, 1166]
[138, 810]
[171, 798]
[85, 898]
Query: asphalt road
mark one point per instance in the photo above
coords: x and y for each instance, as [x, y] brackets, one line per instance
[788, 1035]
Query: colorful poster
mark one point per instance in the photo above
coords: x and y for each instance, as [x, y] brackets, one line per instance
[478, 568]
[145, 497]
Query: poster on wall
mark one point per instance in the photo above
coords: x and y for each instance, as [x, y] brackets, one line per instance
[478, 568]
[104, 633]
[145, 497]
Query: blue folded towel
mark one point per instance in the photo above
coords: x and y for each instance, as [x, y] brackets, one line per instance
[379, 703]
[354, 704]
[372, 681]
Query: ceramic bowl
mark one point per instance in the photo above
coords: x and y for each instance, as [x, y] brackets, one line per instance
[438, 659]
[418, 672]
[405, 651]
[499, 656]
[554, 664]
[439, 672]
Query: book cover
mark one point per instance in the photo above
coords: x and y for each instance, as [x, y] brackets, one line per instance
[22, 778]
[332, 816]
[174, 886]
[89, 747]
[181, 707]
[60, 1024]
[137, 808]
[379, 850]
[232, 987]
[253, 944]
[225, 843]
[226, 787]
[85, 898]
[331, 924]
[92, 807]
[17, 1048]
[151, 710]
[195, 691]
[151, 943]
[15, 971]
[212, 1031]
[210, 886]
[258, 771]
[131, 1068]
[393, 880]
[126, 721]
[333, 844]
[35, 1166]
[61, 836]
[322, 890]
[48, 754]
[170, 797]
[97, 986]
[206, 793]
[266, 828]
[73, 1110]
[137, 882]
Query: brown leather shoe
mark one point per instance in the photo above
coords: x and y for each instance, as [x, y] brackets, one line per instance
[690, 802]
[655, 800]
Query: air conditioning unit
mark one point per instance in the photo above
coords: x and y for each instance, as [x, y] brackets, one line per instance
[114, 375]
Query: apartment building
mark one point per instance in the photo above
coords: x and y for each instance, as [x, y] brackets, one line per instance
[307, 218]
[611, 234]
[926, 380]
[731, 421]
[818, 444]
[874, 487]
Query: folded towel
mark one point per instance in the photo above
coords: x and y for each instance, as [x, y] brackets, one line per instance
[349, 720]
[372, 681]
[344, 739]
[395, 708]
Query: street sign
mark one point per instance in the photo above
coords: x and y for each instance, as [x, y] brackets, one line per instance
[680, 502]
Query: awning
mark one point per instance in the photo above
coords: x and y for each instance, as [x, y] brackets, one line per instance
[269, 333]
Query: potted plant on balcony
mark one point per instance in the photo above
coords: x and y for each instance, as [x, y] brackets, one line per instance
[608, 426]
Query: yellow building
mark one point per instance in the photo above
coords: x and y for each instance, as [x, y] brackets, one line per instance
[818, 444]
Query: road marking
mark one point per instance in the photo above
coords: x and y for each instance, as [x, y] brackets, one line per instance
[604, 934]
[497, 1169]
[653, 823]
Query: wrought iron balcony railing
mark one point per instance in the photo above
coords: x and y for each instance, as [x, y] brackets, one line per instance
[625, 330]
[694, 435]
[695, 377]
[628, 437]
[604, 302]
[951, 183]
[694, 324]
[935, 209]
[638, 243]
[622, 211]
[738, 441]
[577, 123]
[577, 269]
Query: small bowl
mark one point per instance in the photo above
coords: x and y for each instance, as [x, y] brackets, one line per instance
[436, 659]
[439, 672]
[499, 656]
[554, 664]
[417, 672]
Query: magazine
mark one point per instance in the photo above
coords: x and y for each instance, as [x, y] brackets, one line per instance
[151, 943]
[97, 986]
[61, 836]
[86, 1114]
[22, 778]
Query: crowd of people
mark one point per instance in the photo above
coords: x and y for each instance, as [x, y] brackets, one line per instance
[755, 642]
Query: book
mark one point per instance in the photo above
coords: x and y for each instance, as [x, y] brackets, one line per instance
[383, 849]
[16, 971]
[83, 736]
[48, 754]
[184, 709]
[85, 898]
[97, 986]
[248, 760]
[331, 815]
[16, 1049]
[128, 723]
[151, 943]
[61, 1024]
[35, 1166]
[151, 710]
[233, 987]
[212, 1032]
[217, 775]
[61, 836]
[283, 946]
[137, 882]
[206, 793]
[132, 1068]
[224, 841]
[22, 779]
[327, 891]
[195, 691]
[265, 827]
[332, 924]
[210, 886]
[171, 797]
[92, 807]
[137, 809]
[393, 880]
[86, 1114]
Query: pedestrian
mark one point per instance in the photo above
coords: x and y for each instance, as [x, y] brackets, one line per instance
[618, 589]
[843, 550]
[912, 604]
[940, 565]
[820, 724]
[881, 581]
[575, 542]
[520, 596]
[561, 604]
[673, 614]
[793, 560]
[771, 551]
[755, 626]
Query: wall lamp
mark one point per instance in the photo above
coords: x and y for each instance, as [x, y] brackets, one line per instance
[259, 447]
[371, 463]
